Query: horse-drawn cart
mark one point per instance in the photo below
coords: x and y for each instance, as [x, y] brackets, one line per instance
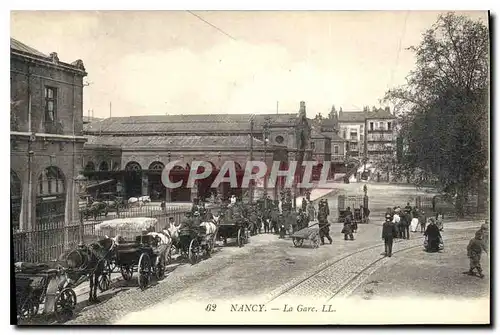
[195, 241]
[135, 251]
[38, 284]
[310, 233]
[234, 229]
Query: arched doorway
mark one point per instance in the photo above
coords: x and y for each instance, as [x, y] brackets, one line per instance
[156, 189]
[183, 193]
[51, 196]
[133, 180]
[15, 199]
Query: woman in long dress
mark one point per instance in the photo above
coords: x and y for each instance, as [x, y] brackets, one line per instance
[414, 224]
[433, 236]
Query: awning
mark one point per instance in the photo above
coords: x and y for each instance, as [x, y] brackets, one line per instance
[101, 183]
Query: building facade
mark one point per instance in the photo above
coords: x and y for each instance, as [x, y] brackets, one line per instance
[134, 150]
[46, 134]
[368, 133]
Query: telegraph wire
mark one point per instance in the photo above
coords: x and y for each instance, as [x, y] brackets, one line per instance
[212, 25]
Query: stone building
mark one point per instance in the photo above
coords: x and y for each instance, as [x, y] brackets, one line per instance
[46, 136]
[370, 133]
[131, 152]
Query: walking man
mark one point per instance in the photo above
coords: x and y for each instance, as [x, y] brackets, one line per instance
[388, 233]
[474, 250]
[324, 229]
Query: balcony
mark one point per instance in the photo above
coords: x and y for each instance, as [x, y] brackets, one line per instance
[379, 130]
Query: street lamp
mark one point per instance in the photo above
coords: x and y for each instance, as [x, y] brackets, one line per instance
[81, 189]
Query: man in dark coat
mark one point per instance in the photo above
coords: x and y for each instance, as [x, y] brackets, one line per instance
[388, 233]
[324, 226]
[405, 225]
[474, 249]
[347, 229]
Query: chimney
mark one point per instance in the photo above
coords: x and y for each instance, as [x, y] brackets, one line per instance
[388, 109]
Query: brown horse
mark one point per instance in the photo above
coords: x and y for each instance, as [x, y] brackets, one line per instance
[90, 260]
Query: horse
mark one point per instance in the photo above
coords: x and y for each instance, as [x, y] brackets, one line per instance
[139, 201]
[90, 260]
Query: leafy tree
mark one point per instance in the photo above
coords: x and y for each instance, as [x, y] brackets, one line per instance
[443, 108]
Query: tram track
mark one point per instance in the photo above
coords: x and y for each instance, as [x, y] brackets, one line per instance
[334, 279]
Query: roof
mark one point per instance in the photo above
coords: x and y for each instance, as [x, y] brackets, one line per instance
[361, 116]
[352, 116]
[191, 123]
[380, 114]
[174, 142]
[19, 46]
[88, 119]
[337, 138]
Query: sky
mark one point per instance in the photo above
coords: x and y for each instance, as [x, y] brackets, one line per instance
[173, 62]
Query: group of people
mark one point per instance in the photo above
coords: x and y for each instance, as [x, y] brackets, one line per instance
[398, 222]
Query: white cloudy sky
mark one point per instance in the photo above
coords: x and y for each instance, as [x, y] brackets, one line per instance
[173, 62]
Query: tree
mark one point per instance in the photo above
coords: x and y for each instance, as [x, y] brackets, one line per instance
[443, 108]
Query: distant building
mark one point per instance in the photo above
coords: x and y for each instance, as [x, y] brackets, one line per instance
[46, 137]
[370, 133]
[134, 150]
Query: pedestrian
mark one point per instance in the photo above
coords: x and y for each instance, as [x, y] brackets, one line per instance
[324, 227]
[423, 221]
[474, 250]
[485, 235]
[281, 225]
[433, 237]
[396, 219]
[311, 211]
[388, 233]
[405, 225]
[347, 229]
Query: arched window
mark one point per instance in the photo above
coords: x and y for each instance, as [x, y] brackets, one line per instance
[51, 181]
[103, 166]
[133, 166]
[156, 166]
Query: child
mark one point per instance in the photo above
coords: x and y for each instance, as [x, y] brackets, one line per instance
[474, 249]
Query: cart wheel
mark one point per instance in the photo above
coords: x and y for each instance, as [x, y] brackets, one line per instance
[104, 283]
[160, 267]
[240, 237]
[193, 251]
[65, 304]
[297, 242]
[144, 271]
[28, 310]
[127, 272]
